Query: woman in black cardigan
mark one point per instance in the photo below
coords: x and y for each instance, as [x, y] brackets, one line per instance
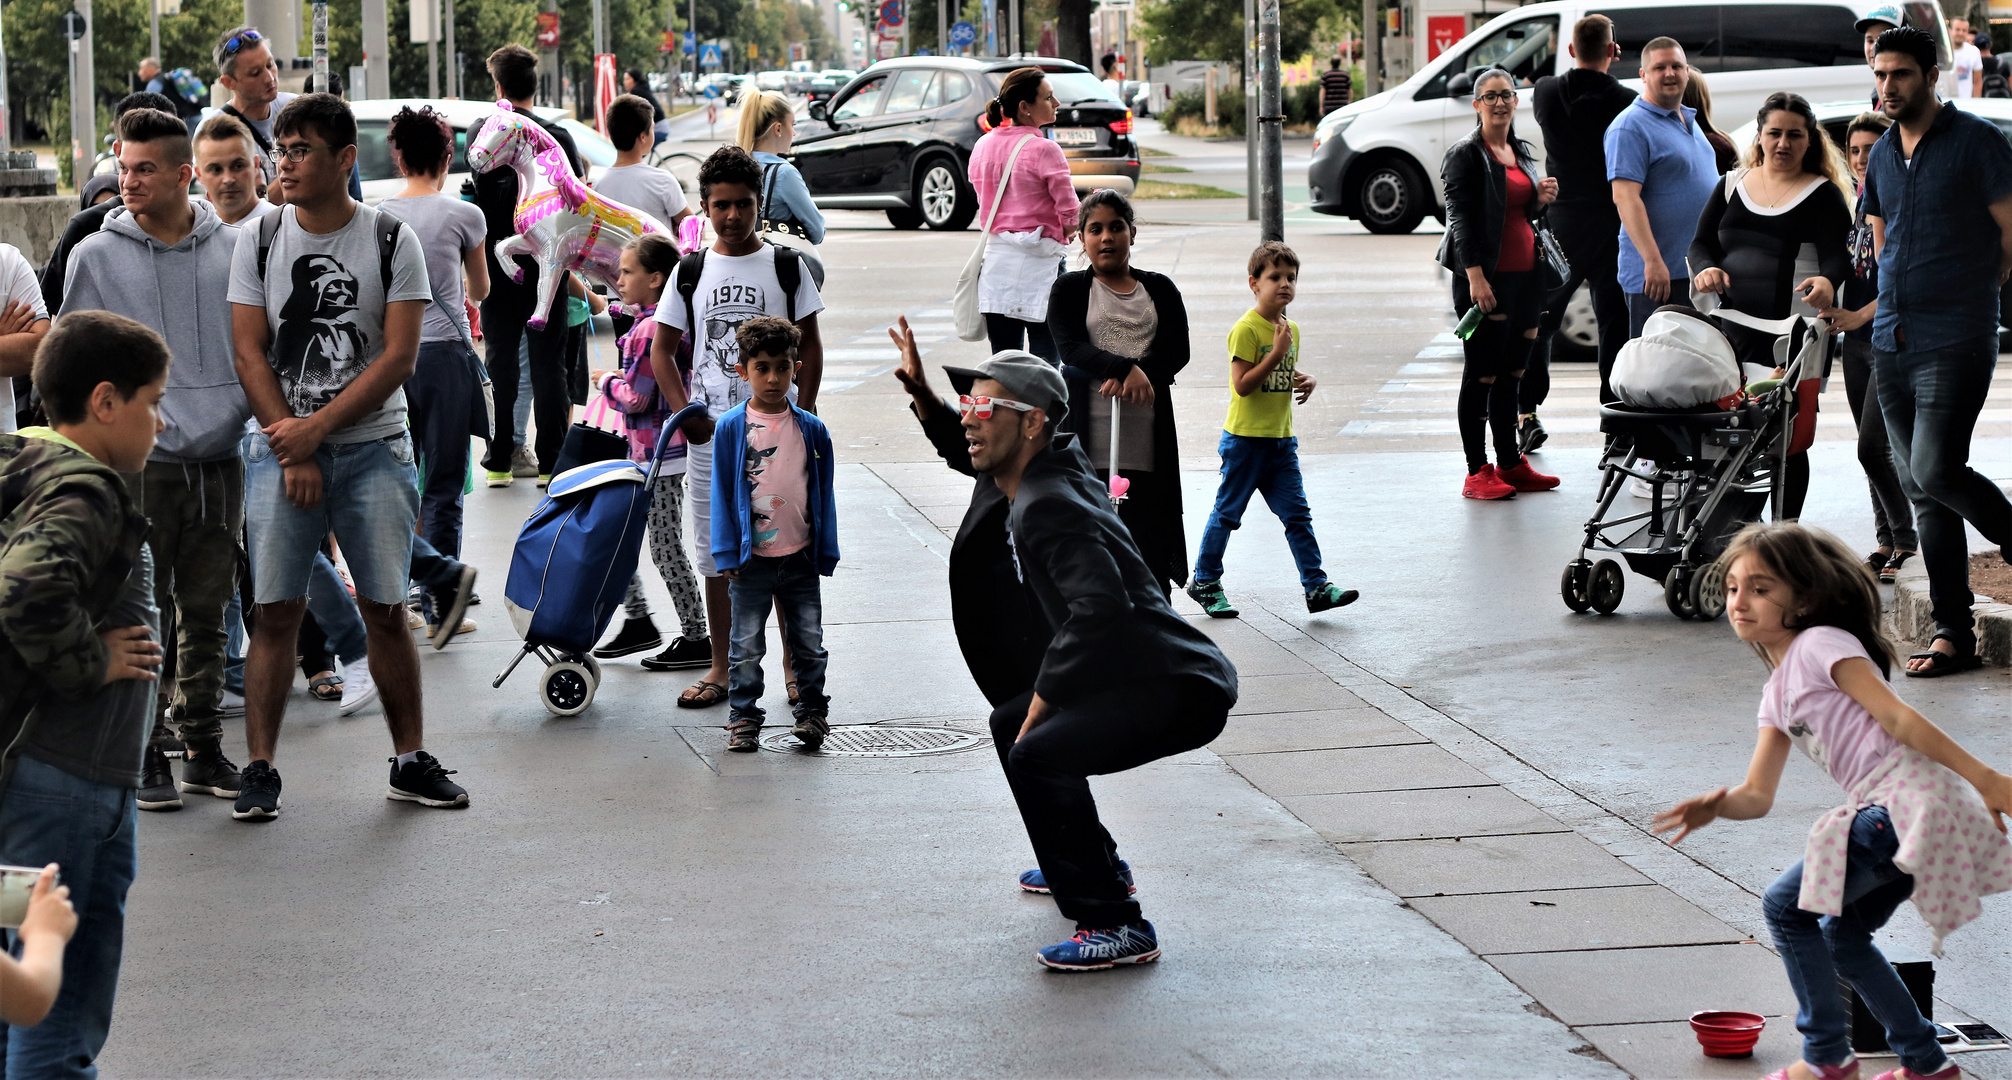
[1492, 191]
[1122, 334]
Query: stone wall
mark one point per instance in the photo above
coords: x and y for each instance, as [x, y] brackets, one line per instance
[33, 224]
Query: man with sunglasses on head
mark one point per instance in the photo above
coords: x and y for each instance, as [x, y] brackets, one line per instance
[326, 301]
[1069, 635]
[246, 68]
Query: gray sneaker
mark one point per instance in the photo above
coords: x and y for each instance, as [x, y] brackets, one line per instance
[522, 464]
[157, 782]
[208, 772]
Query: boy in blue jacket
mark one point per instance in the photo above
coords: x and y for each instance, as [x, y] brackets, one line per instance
[775, 530]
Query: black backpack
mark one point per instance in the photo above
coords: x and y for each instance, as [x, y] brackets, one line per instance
[1996, 85]
[387, 244]
[788, 277]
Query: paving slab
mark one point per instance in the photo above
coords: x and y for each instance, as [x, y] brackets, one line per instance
[1620, 918]
[1254, 654]
[1628, 986]
[1266, 733]
[1669, 1051]
[1485, 864]
[1419, 815]
[1359, 769]
[1289, 693]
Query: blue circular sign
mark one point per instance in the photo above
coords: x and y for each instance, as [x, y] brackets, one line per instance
[962, 34]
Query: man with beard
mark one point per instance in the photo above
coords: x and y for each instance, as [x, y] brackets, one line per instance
[1121, 679]
[1938, 195]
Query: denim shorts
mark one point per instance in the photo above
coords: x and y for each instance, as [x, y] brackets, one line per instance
[369, 500]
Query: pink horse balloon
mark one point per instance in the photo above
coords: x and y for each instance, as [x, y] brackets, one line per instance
[561, 223]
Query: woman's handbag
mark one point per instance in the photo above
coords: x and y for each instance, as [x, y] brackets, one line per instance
[1552, 253]
[587, 442]
[964, 302]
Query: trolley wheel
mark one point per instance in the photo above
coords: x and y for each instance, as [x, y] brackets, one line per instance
[1678, 590]
[1708, 592]
[1572, 585]
[566, 688]
[1607, 586]
[593, 670]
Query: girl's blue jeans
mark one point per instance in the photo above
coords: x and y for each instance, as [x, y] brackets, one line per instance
[1817, 949]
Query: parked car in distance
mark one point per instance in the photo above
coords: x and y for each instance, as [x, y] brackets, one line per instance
[898, 136]
[1377, 159]
[373, 152]
[773, 81]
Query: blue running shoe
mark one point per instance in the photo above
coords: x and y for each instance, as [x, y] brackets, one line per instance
[1032, 881]
[1095, 950]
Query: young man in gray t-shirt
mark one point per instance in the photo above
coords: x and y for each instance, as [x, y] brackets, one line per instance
[325, 322]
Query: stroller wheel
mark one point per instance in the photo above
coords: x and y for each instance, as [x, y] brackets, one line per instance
[1573, 584]
[1607, 586]
[566, 688]
[1708, 592]
[1678, 592]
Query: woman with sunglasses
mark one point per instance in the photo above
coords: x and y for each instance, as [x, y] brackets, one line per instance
[1122, 334]
[1493, 191]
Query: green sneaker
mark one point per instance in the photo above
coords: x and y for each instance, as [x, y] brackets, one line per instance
[498, 479]
[1330, 595]
[1209, 594]
[544, 479]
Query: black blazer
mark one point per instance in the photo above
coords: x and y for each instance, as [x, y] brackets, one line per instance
[1477, 187]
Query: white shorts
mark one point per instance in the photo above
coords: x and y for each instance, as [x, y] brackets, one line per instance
[699, 495]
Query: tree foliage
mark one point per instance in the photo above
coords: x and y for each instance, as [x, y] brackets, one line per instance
[1214, 29]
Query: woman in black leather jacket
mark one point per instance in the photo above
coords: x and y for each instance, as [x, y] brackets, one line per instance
[1492, 189]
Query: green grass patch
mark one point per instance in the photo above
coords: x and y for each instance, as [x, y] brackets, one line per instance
[1149, 168]
[1148, 151]
[1161, 189]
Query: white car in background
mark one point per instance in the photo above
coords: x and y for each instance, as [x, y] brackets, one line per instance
[373, 153]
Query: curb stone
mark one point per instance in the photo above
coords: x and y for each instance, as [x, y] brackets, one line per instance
[1910, 616]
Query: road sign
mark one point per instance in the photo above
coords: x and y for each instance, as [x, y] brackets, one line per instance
[890, 13]
[754, 51]
[888, 48]
[73, 25]
[669, 44]
[547, 34]
[709, 55]
[963, 34]
[605, 89]
[691, 43]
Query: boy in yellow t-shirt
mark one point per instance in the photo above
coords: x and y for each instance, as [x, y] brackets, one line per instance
[1258, 449]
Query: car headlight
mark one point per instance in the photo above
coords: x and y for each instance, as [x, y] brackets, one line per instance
[1331, 128]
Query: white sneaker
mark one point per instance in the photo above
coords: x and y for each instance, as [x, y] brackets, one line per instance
[1638, 487]
[358, 689]
[522, 463]
[233, 704]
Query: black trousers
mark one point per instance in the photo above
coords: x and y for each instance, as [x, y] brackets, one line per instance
[1590, 235]
[503, 315]
[1049, 773]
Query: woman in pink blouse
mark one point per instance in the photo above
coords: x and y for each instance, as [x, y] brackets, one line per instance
[1036, 214]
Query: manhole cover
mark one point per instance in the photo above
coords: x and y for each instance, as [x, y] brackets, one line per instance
[869, 740]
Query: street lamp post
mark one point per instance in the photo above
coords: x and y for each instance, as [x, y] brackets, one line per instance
[83, 96]
[1271, 124]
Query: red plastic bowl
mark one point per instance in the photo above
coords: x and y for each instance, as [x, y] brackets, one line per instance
[1728, 1034]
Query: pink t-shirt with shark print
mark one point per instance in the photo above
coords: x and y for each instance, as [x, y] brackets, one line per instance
[778, 472]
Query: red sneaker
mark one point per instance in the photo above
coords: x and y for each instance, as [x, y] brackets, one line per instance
[1486, 485]
[1524, 478]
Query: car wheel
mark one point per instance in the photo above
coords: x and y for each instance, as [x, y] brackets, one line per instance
[904, 217]
[1391, 197]
[945, 200]
[1578, 337]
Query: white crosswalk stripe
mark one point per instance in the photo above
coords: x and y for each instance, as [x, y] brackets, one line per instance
[871, 355]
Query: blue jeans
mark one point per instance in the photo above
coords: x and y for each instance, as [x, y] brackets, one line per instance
[234, 647]
[369, 500]
[86, 828]
[1640, 306]
[1816, 949]
[790, 585]
[1270, 466]
[1931, 400]
[521, 412]
[441, 399]
[335, 612]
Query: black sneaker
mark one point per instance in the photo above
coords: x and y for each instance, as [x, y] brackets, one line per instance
[167, 740]
[157, 782]
[636, 635]
[1330, 596]
[258, 793]
[811, 730]
[683, 653]
[450, 604]
[1530, 434]
[208, 772]
[424, 781]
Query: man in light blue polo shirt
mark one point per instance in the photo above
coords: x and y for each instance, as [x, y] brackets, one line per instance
[1663, 171]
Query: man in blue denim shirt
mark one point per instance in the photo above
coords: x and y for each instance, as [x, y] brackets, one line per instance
[1938, 194]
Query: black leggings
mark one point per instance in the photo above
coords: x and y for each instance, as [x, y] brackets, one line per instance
[1497, 351]
[1004, 332]
[1049, 773]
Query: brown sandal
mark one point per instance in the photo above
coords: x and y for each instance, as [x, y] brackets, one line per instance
[326, 686]
[708, 694]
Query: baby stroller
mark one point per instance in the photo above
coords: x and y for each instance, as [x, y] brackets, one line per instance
[1712, 453]
[571, 569]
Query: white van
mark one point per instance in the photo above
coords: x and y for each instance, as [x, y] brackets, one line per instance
[1377, 160]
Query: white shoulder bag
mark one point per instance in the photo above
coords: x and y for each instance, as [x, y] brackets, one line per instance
[964, 302]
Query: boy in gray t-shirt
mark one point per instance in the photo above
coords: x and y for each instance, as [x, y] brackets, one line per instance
[326, 337]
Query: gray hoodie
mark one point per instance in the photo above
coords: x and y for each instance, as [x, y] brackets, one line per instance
[179, 291]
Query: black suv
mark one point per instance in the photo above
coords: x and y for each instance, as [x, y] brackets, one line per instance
[898, 137]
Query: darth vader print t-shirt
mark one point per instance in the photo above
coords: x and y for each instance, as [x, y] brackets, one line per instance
[324, 300]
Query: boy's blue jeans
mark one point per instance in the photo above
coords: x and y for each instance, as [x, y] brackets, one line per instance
[50, 816]
[790, 585]
[1816, 949]
[1269, 466]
